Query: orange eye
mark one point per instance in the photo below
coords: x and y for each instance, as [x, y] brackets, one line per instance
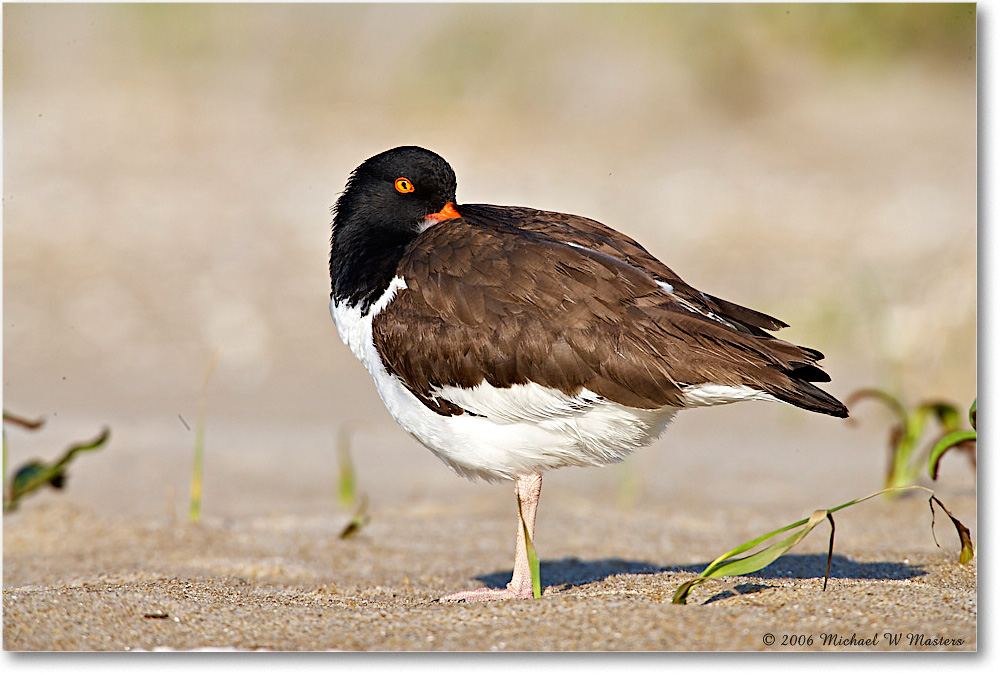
[404, 185]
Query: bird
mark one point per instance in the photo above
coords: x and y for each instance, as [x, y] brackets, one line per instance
[511, 341]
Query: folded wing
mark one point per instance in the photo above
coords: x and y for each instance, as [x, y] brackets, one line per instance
[511, 296]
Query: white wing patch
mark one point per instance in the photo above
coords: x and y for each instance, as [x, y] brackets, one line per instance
[718, 394]
[518, 403]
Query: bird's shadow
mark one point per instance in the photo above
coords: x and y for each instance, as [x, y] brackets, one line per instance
[570, 572]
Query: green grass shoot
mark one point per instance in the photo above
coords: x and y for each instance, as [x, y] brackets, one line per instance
[194, 509]
[36, 474]
[961, 438]
[907, 450]
[533, 564]
[347, 485]
[726, 565]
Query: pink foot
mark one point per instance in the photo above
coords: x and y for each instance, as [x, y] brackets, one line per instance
[508, 592]
[527, 487]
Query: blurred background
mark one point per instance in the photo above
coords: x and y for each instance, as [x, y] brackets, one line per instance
[168, 172]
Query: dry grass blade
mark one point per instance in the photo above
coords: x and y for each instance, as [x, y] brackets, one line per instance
[22, 421]
[829, 553]
[968, 551]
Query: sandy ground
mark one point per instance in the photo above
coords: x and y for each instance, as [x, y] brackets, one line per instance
[78, 576]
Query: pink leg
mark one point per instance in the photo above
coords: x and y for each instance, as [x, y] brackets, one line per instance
[527, 487]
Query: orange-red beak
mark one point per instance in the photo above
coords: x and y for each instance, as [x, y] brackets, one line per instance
[446, 213]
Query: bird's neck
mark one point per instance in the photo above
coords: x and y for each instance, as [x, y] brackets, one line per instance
[363, 261]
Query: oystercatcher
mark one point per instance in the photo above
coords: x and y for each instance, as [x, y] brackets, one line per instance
[510, 341]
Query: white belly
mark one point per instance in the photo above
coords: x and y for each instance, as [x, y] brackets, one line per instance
[520, 429]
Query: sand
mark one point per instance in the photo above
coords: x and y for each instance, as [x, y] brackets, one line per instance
[78, 577]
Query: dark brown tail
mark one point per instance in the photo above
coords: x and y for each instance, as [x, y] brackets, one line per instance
[799, 390]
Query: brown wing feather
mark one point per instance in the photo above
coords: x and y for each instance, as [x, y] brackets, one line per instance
[508, 306]
[599, 237]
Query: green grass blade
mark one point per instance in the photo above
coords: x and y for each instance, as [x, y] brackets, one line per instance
[903, 436]
[346, 481]
[947, 415]
[194, 508]
[754, 542]
[893, 403]
[946, 443]
[533, 564]
[724, 566]
[37, 474]
[904, 469]
[86, 446]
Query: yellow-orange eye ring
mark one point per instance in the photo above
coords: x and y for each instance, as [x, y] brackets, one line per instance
[404, 185]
